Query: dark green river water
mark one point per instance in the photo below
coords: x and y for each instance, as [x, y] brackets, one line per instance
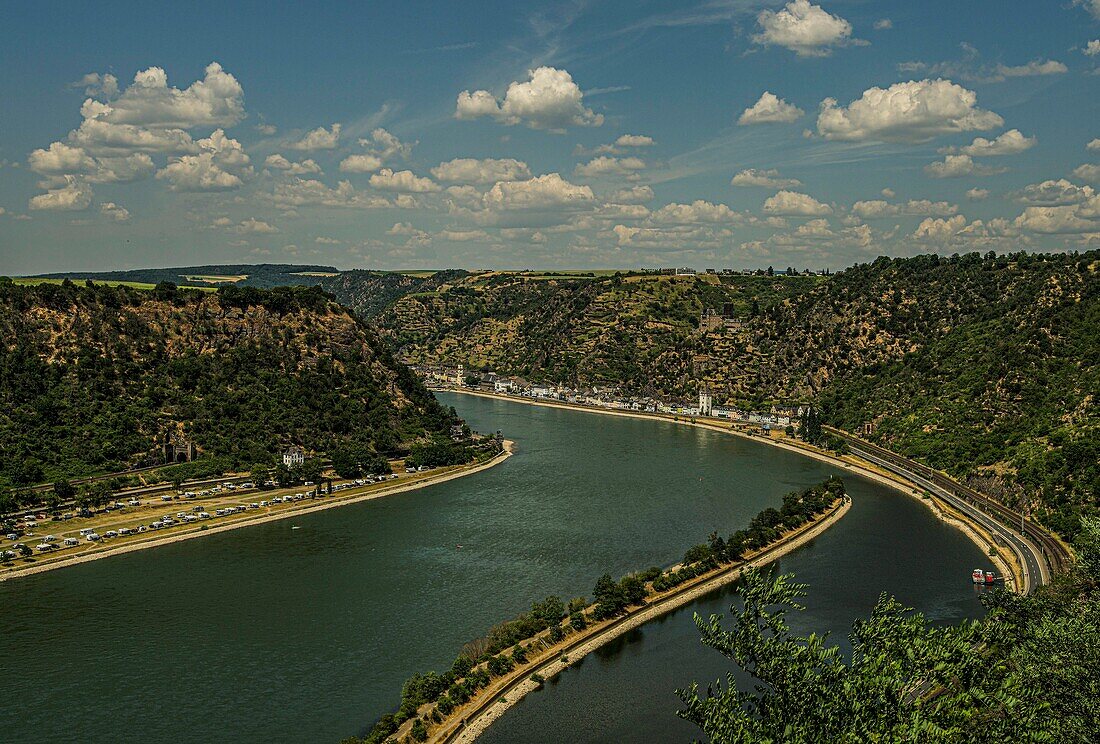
[272, 634]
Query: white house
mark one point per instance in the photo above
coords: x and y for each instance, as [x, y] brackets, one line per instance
[294, 455]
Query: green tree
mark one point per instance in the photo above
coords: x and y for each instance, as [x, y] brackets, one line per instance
[100, 493]
[633, 589]
[347, 460]
[285, 476]
[548, 612]
[8, 502]
[905, 680]
[52, 502]
[259, 475]
[63, 490]
[608, 596]
[311, 470]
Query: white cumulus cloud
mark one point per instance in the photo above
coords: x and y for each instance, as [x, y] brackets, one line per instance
[133, 167]
[912, 112]
[877, 208]
[405, 182]
[698, 212]
[1065, 220]
[1055, 193]
[795, 204]
[1009, 143]
[300, 192]
[770, 109]
[542, 192]
[66, 194]
[360, 163]
[549, 100]
[1088, 172]
[543, 201]
[806, 29]
[215, 101]
[319, 139]
[59, 159]
[769, 179]
[483, 171]
[953, 166]
[221, 165]
[386, 145]
[939, 230]
[604, 166]
[281, 163]
[632, 195]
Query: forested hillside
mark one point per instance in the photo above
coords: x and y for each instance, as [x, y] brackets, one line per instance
[1001, 381]
[986, 366]
[93, 377]
[368, 293]
[638, 332]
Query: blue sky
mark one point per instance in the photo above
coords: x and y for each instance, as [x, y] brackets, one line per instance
[550, 135]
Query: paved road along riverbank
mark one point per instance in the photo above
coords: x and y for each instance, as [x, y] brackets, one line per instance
[1027, 564]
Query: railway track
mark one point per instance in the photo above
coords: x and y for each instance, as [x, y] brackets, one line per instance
[1053, 552]
[44, 487]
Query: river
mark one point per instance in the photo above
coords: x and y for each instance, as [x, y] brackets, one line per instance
[302, 630]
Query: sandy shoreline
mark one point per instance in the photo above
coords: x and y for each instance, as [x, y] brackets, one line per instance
[509, 449]
[1008, 568]
[494, 706]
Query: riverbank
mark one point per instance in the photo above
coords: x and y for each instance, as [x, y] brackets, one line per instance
[1004, 560]
[365, 493]
[490, 704]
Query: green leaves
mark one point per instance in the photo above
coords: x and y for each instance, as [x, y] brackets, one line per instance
[1030, 672]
